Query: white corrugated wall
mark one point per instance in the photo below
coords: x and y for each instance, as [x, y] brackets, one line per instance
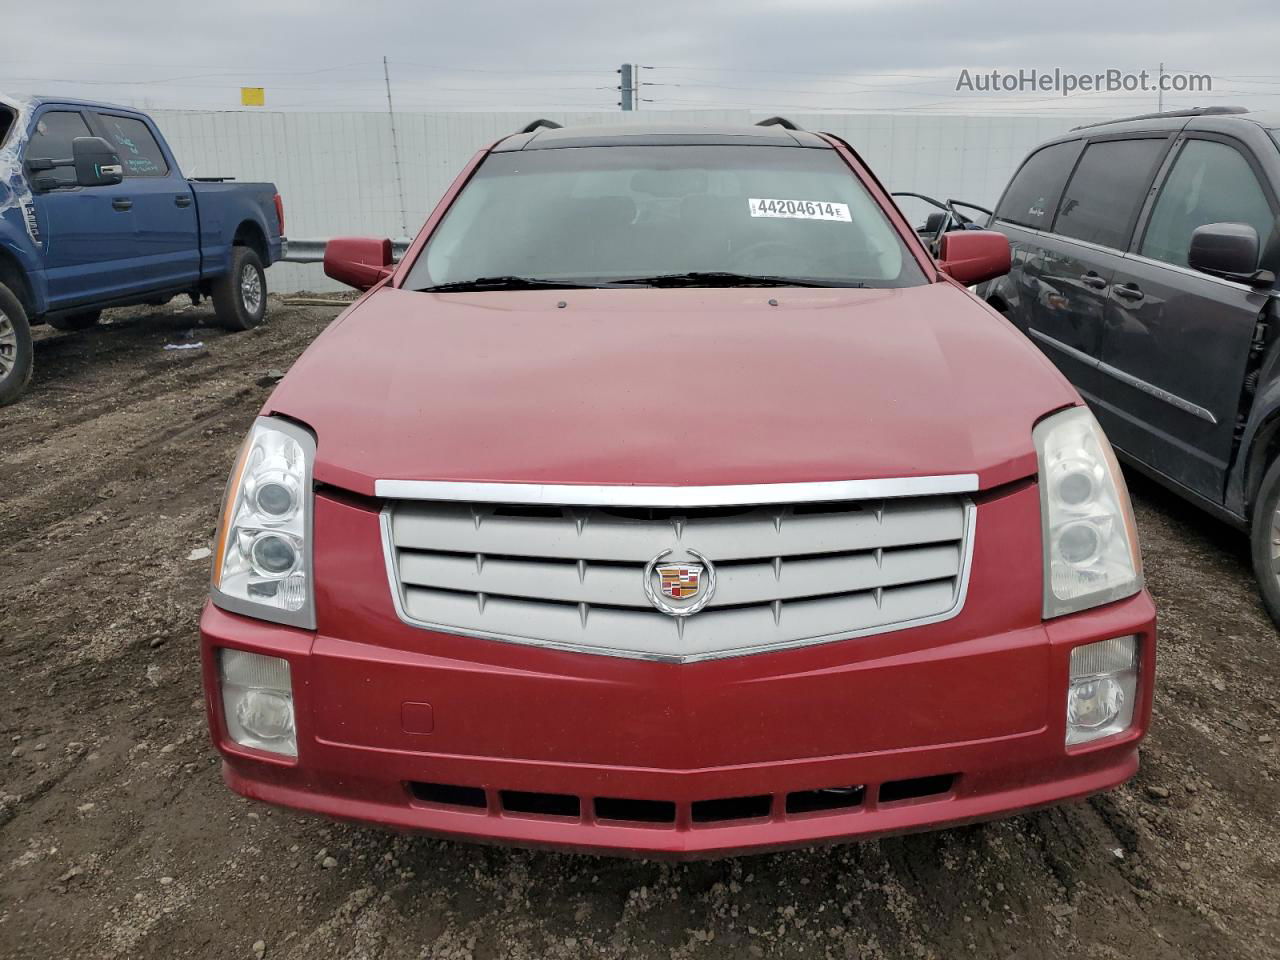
[337, 176]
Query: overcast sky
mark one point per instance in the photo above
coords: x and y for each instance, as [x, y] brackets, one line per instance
[798, 56]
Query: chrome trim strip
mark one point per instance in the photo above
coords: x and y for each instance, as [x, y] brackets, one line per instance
[1139, 258]
[1046, 235]
[397, 597]
[1186, 406]
[619, 495]
[1198, 275]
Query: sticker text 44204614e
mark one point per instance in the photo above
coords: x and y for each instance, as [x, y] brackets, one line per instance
[800, 209]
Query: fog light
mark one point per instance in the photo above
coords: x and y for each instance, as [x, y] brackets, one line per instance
[1103, 689]
[257, 701]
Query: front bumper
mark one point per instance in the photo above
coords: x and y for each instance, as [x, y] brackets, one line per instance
[938, 725]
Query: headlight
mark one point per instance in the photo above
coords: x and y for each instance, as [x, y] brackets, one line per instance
[1090, 541]
[262, 559]
[1103, 689]
[257, 701]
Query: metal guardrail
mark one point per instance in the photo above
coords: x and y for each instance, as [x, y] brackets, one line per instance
[312, 251]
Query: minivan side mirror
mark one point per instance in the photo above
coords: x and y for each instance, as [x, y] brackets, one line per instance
[1228, 250]
[974, 256]
[358, 262]
[97, 163]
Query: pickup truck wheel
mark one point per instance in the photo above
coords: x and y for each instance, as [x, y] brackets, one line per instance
[1265, 539]
[15, 348]
[75, 321]
[240, 296]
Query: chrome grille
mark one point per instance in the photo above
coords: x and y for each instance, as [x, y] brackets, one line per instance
[573, 577]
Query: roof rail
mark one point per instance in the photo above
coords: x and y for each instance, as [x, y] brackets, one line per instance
[778, 122]
[1189, 112]
[549, 124]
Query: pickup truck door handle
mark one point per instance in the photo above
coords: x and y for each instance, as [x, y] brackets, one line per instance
[121, 203]
[1128, 291]
[1091, 279]
[182, 200]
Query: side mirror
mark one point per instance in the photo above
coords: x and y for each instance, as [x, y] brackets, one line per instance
[358, 262]
[1228, 250]
[974, 256]
[96, 162]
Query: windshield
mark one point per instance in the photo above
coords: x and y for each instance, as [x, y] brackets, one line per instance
[621, 212]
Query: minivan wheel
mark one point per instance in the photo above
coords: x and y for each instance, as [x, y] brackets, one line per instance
[16, 351]
[1265, 537]
[240, 295]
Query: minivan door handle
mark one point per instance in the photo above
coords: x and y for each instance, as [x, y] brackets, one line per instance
[121, 203]
[1128, 291]
[1091, 279]
[182, 200]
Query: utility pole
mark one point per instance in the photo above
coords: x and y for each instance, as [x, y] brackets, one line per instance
[1160, 89]
[395, 150]
[628, 86]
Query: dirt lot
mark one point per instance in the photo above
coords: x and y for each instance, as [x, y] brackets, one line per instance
[117, 838]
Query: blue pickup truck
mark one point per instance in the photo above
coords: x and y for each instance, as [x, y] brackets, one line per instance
[95, 213]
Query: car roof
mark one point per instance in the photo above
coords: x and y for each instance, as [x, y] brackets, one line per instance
[1199, 118]
[37, 100]
[660, 134]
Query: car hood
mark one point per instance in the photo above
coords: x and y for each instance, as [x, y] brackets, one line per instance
[671, 387]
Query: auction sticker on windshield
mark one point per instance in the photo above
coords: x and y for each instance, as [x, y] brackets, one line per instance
[800, 209]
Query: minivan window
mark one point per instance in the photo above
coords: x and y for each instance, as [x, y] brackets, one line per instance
[51, 140]
[1211, 182]
[614, 212]
[1033, 193]
[1106, 190]
[139, 152]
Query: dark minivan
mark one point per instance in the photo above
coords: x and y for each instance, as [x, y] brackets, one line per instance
[1145, 254]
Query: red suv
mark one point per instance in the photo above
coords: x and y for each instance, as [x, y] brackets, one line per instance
[668, 497]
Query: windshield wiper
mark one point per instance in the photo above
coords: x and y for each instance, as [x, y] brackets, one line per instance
[721, 278]
[509, 283]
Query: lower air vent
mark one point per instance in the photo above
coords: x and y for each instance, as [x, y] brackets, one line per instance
[636, 811]
[448, 794]
[916, 788]
[831, 798]
[544, 804]
[732, 808]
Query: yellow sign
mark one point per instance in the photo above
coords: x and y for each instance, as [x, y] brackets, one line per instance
[253, 97]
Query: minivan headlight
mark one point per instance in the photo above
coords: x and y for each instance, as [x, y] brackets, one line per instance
[1090, 540]
[262, 556]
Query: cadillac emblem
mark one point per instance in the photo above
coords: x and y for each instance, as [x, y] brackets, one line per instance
[679, 589]
[679, 581]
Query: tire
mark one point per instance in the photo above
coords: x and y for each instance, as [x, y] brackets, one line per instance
[16, 351]
[240, 296]
[75, 321]
[1265, 540]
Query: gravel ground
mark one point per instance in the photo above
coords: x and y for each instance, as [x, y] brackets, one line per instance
[118, 839]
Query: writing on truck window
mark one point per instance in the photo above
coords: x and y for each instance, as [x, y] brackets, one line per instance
[139, 152]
